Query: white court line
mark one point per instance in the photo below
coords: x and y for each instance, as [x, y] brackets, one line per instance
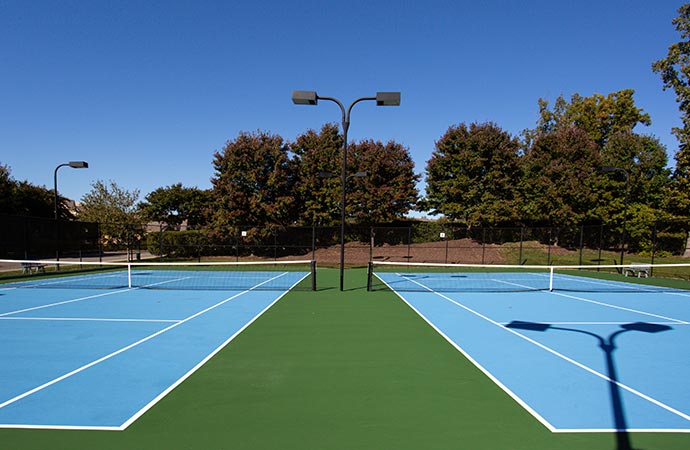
[607, 305]
[67, 279]
[124, 349]
[612, 323]
[64, 302]
[89, 319]
[678, 293]
[148, 406]
[553, 352]
[622, 308]
[50, 305]
[629, 286]
[476, 363]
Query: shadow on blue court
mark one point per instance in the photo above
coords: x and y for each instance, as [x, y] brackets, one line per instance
[578, 362]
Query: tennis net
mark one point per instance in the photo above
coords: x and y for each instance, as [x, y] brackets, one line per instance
[634, 277]
[271, 275]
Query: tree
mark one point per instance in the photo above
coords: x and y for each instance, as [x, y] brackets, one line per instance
[115, 209]
[388, 192]
[318, 197]
[562, 181]
[25, 199]
[37, 201]
[473, 174]
[175, 205]
[599, 116]
[644, 157]
[253, 184]
[6, 189]
[674, 70]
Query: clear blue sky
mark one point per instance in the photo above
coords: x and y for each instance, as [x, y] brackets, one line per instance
[146, 91]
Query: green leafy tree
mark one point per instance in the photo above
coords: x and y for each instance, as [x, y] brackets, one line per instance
[473, 174]
[37, 201]
[26, 199]
[562, 181]
[114, 208]
[389, 191]
[598, 115]
[318, 197]
[253, 183]
[6, 190]
[674, 70]
[175, 205]
[645, 160]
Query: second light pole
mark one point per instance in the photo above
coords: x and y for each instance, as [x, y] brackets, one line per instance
[312, 98]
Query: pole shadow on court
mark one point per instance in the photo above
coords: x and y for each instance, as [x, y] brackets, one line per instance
[608, 346]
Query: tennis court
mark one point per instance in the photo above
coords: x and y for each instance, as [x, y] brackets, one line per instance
[209, 368]
[580, 354]
[78, 357]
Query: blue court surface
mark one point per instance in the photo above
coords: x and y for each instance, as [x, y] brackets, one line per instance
[613, 356]
[99, 359]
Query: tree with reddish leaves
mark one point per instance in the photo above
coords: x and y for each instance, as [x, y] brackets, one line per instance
[388, 191]
[562, 178]
[318, 195]
[472, 175]
[253, 183]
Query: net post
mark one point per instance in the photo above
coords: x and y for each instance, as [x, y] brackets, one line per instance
[551, 279]
[129, 275]
[313, 275]
[370, 272]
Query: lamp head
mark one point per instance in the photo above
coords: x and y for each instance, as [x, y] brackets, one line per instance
[305, 98]
[388, 99]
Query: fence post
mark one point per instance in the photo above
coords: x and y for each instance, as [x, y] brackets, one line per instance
[548, 257]
[522, 238]
[601, 238]
[26, 238]
[582, 236]
[651, 273]
[57, 242]
[100, 243]
[160, 235]
[372, 237]
[483, 242]
[238, 233]
[313, 241]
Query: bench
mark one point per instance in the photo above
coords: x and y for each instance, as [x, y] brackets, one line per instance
[638, 270]
[29, 267]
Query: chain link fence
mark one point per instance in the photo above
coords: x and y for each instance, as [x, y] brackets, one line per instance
[35, 238]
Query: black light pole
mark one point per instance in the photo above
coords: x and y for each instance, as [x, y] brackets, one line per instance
[312, 98]
[74, 165]
[625, 207]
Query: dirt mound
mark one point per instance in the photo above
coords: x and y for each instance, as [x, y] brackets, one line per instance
[453, 251]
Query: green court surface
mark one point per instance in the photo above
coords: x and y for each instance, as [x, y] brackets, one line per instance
[337, 370]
